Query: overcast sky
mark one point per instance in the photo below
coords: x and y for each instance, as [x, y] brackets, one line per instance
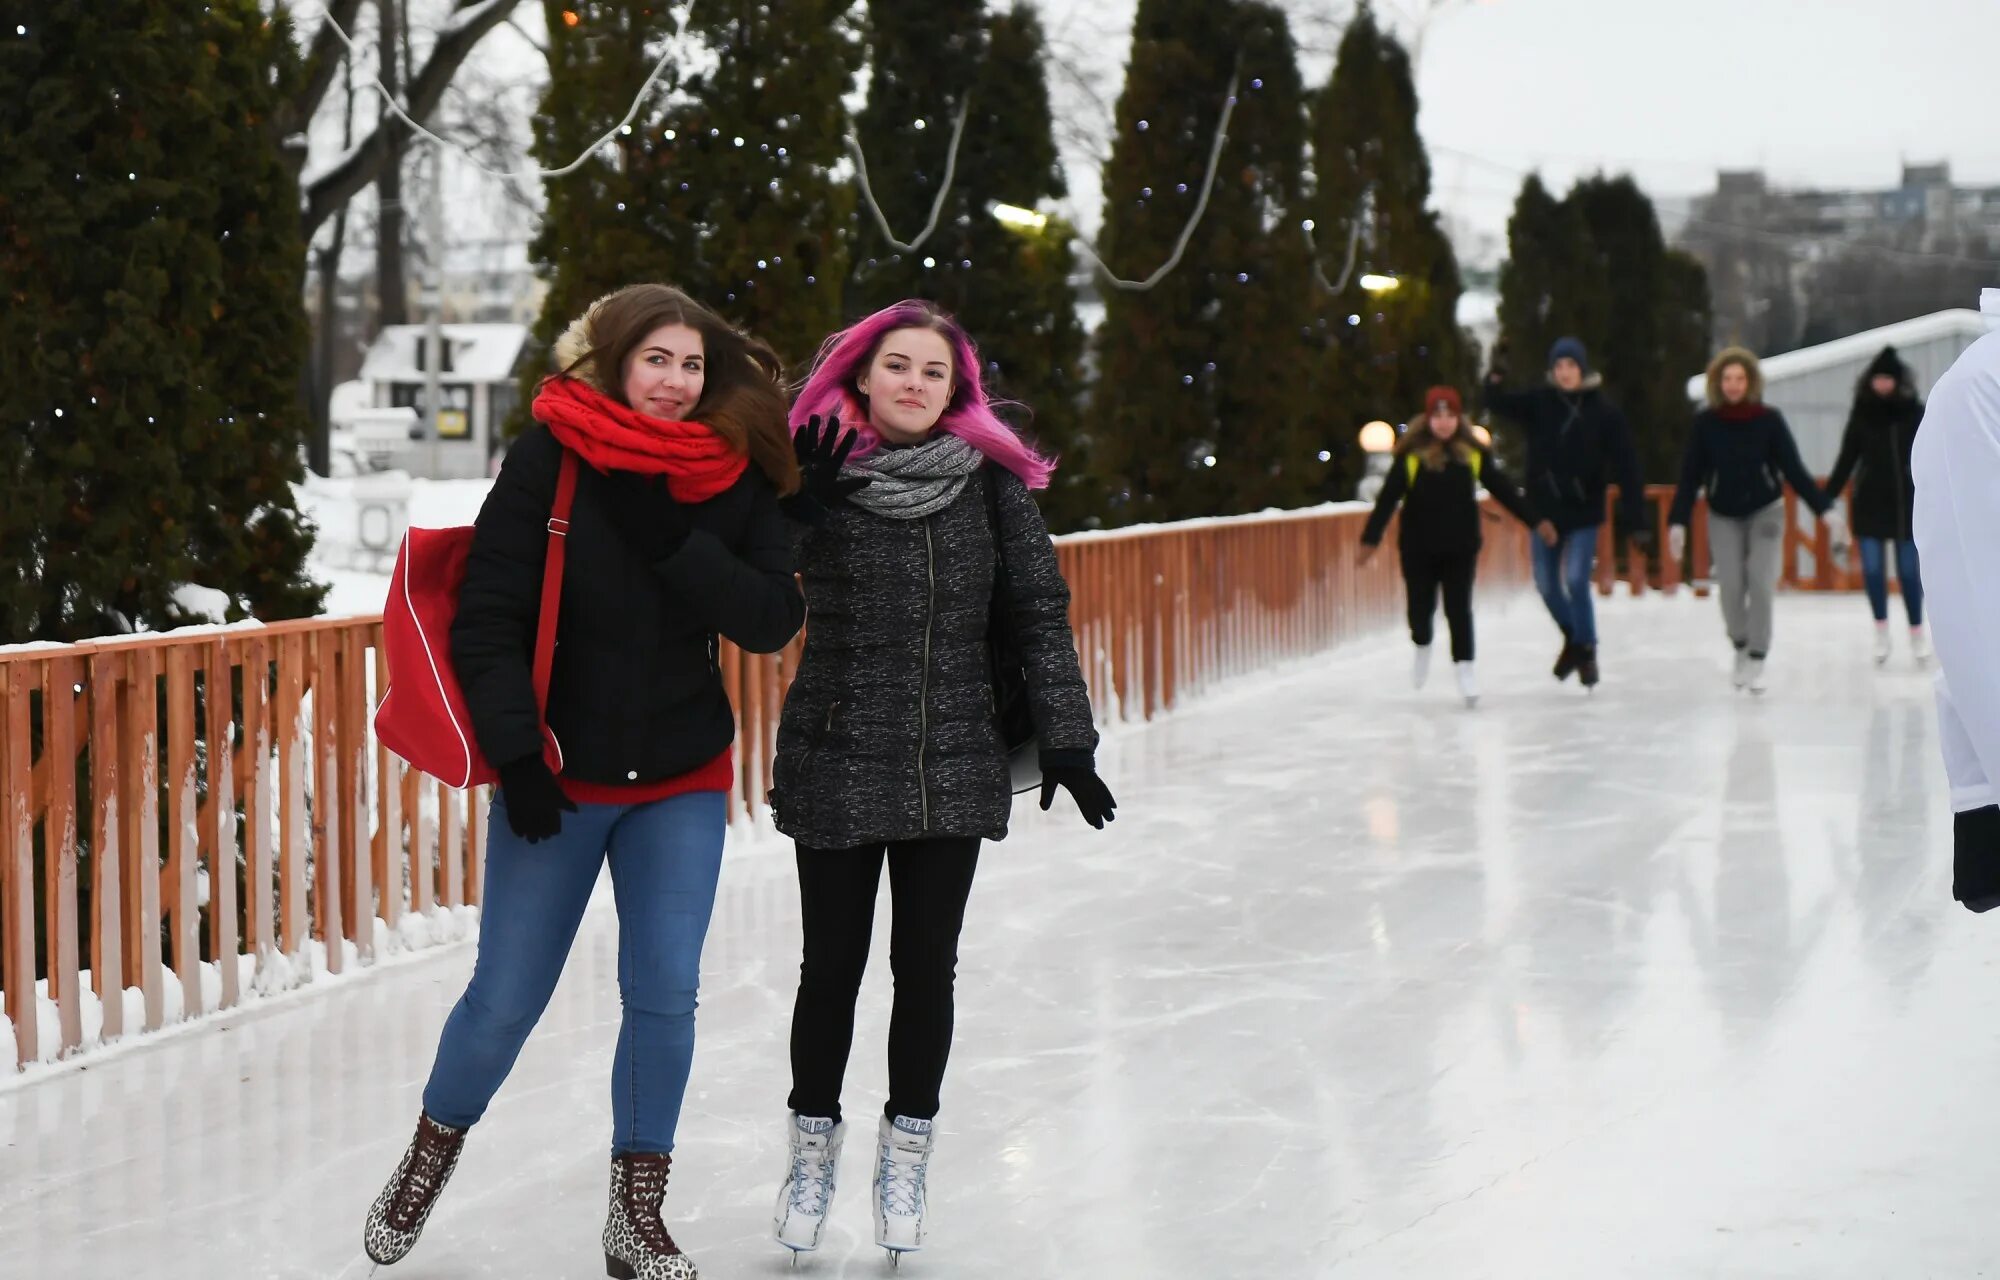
[1823, 92]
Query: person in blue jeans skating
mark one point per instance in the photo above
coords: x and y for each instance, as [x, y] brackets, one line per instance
[1576, 438]
[1875, 454]
[683, 466]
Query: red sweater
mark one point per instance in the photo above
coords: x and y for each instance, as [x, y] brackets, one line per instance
[718, 774]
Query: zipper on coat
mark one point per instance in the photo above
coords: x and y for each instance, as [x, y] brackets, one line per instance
[924, 691]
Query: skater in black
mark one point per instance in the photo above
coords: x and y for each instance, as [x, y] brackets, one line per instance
[1576, 437]
[1875, 455]
[1436, 479]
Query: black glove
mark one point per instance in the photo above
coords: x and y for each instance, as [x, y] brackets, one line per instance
[1092, 797]
[1644, 540]
[535, 803]
[821, 452]
[1497, 370]
[644, 514]
[1975, 867]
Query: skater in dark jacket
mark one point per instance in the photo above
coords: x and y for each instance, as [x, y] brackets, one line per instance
[1875, 455]
[1436, 478]
[890, 749]
[1742, 454]
[676, 537]
[1576, 437]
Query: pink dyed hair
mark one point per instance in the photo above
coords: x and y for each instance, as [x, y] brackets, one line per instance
[830, 389]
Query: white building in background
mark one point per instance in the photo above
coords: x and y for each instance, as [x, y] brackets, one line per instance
[479, 372]
[1814, 386]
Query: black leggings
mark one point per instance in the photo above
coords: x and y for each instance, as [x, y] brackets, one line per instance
[1424, 575]
[929, 882]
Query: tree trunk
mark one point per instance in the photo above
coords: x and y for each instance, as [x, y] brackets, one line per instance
[391, 287]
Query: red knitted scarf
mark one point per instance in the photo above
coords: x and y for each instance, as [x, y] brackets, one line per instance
[697, 463]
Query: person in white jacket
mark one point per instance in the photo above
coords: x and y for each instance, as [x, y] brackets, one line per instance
[1956, 466]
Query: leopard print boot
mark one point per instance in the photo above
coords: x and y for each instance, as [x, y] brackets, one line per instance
[399, 1213]
[636, 1243]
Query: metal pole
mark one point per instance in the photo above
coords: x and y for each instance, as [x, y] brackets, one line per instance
[434, 338]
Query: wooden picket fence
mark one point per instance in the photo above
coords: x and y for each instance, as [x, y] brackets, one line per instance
[200, 804]
[1808, 559]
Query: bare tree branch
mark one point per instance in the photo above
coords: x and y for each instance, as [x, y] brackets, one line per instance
[323, 59]
[363, 163]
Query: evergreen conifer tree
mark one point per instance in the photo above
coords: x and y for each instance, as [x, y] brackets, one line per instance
[1201, 398]
[724, 185]
[1595, 265]
[155, 333]
[1373, 190]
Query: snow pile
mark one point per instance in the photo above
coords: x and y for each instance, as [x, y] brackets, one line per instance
[279, 975]
[361, 520]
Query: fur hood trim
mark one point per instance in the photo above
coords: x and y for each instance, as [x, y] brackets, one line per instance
[1723, 359]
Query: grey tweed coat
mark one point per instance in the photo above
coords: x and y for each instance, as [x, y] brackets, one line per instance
[889, 732]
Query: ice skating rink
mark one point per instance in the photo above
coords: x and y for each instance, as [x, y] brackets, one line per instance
[1663, 983]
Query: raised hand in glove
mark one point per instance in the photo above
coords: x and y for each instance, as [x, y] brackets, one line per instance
[821, 452]
[535, 803]
[1092, 797]
[644, 514]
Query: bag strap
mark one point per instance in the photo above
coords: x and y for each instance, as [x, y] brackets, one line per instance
[552, 581]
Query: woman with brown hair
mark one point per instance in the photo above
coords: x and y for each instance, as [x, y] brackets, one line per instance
[676, 536]
[1436, 478]
[1741, 452]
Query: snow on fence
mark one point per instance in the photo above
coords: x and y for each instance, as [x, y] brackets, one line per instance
[197, 813]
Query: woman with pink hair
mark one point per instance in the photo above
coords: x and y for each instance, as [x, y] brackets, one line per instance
[923, 557]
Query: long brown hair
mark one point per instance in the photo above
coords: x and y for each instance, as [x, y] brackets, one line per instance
[1434, 452]
[743, 397]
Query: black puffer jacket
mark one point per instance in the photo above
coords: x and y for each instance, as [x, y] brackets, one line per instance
[889, 731]
[1574, 439]
[636, 695]
[1441, 513]
[1875, 454]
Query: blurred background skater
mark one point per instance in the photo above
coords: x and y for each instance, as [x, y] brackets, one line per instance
[1875, 454]
[1435, 479]
[1741, 453]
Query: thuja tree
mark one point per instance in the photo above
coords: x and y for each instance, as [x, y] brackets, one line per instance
[155, 336]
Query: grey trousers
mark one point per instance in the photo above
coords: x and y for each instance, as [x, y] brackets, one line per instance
[1748, 553]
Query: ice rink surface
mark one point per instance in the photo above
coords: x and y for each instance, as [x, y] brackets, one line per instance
[1664, 983]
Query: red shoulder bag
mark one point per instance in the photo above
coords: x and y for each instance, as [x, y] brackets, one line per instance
[423, 717]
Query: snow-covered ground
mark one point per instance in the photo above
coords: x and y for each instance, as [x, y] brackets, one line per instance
[1664, 983]
[359, 583]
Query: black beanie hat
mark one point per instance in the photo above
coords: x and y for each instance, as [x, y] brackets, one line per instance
[1890, 363]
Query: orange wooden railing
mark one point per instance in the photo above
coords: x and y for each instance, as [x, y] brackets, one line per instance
[133, 770]
[1809, 562]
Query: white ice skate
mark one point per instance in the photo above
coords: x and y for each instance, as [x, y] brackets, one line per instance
[901, 1165]
[807, 1192]
[1881, 644]
[1468, 683]
[1420, 670]
[1740, 677]
[1753, 675]
[1920, 646]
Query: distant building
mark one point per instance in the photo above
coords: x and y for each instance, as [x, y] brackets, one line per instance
[1787, 267]
[479, 376]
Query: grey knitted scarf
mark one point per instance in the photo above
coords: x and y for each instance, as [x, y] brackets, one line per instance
[909, 484]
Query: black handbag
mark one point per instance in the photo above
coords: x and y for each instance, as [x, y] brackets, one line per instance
[1012, 707]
